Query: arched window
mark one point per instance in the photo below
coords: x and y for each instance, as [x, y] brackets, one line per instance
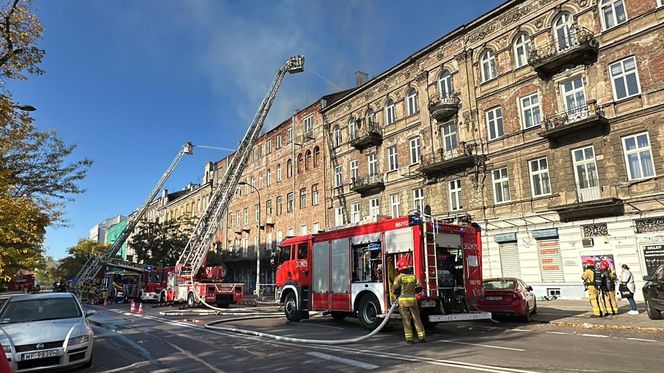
[488, 63]
[411, 101]
[352, 128]
[522, 47]
[390, 112]
[370, 117]
[444, 83]
[300, 163]
[279, 175]
[336, 135]
[289, 168]
[612, 13]
[563, 32]
[307, 160]
[316, 156]
[269, 177]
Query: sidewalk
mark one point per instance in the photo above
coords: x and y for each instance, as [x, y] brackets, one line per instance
[577, 314]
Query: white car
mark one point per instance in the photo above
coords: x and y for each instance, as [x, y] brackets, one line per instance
[45, 331]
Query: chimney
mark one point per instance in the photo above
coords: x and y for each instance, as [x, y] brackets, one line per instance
[361, 78]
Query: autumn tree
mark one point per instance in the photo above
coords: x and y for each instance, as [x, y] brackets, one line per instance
[77, 256]
[160, 243]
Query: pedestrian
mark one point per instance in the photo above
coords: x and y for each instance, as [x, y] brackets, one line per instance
[628, 288]
[608, 287]
[588, 278]
[406, 286]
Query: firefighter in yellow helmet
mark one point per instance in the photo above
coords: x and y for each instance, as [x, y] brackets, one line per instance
[588, 278]
[406, 286]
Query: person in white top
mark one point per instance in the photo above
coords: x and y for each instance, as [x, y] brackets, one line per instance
[627, 279]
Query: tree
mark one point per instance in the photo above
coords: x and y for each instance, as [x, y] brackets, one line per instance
[160, 243]
[78, 255]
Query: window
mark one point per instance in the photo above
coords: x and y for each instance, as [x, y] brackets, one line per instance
[563, 33]
[303, 231]
[280, 236]
[289, 168]
[260, 181]
[280, 205]
[638, 156]
[289, 202]
[253, 184]
[353, 169]
[624, 78]
[245, 213]
[308, 124]
[411, 101]
[392, 160]
[530, 111]
[585, 174]
[539, 177]
[352, 129]
[303, 198]
[488, 63]
[414, 150]
[390, 112]
[268, 150]
[229, 223]
[316, 228]
[278, 141]
[338, 180]
[374, 207]
[316, 156]
[372, 163]
[449, 131]
[289, 134]
[315, 197]
[290, 232]
[494, 122]
[612, 13]
[575, 99]
[238, 219]
[522, 47]
[300, 163]
[339, 216]
[268, 207]
[337, 136]
[257, 213]
[307, 160]
[455, 195]
[444, 84]
[394, 205]
[418, 199]
[501, 186]
[269, 177]
[355, 213]
[370, 117]
[278, 173]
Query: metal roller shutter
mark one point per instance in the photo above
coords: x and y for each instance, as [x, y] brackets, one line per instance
[509, 259]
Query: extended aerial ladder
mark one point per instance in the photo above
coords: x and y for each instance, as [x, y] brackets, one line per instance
[96, 262]
[194, 254]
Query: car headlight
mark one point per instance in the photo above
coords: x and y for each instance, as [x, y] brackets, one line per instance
[79, 340]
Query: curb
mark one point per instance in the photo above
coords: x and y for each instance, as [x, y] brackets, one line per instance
[585, 325]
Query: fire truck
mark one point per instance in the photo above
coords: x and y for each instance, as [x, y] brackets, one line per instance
[350, 271]
[208, 284]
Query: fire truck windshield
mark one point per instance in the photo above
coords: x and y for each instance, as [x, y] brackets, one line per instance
[284, 253]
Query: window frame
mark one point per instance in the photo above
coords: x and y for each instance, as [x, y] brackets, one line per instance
[374, 208]
[418, 198]
[395, 205]
[522, 41]
[638, 152]
[315, 195]
[445, 80]
[308, 124]
[303, 198]
[497, 121]
[502, 181]
[338, 176]
[530, 107]
[414, 145]
[611, 4]
[454, 195]
[290, 202]
[488, 59]
[624, 76]
[339, 217]
[412, 106]
[372, 164]
[354, 168]
[392, 158]
[355, 213]
[390, 112]
[336, 136]
[539, 174]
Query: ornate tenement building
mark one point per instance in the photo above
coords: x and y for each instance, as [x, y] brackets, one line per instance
[541, 120]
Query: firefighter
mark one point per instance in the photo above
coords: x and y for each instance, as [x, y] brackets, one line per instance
[589, 283]
[608, 287]
[406, 286]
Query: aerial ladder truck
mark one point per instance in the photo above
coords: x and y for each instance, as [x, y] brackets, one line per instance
[182, 282]
[96, 262]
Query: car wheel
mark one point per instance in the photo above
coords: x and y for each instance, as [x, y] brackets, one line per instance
[368, 312]
[290, 308]
[191, 300]
[526, 317]
[653, 313]
[339, 315]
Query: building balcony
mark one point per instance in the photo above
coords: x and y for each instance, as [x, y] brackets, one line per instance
[446, 160]
[580, 47]
[588, 201]
[443, 108]
[371, 135]
[367, 185]
[237, 229]
[573, 122]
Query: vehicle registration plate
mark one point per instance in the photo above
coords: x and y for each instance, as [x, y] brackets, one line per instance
[494, 298]
[39, 354]
[428, 303]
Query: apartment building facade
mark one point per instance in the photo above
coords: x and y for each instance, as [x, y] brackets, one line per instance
[539, 120]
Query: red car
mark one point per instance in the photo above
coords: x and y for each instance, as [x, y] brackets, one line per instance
[508, 296]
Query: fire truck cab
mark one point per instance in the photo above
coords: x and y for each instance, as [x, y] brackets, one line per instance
[350, 271]
[208, 285]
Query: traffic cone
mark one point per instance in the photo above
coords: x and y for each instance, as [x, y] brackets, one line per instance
[140, 308]
[132, 307]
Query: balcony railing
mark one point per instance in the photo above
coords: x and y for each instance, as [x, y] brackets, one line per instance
[588, 190]
[445, 160]
[366, 136]
[589, 200]
[579, 47]
[574, 120]
[367, 184]
[443, 108]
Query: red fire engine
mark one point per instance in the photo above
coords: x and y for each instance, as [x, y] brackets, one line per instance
[208, 284]
[350, 271]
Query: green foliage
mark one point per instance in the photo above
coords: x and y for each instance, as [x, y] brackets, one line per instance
[160, 243]
[77, 256]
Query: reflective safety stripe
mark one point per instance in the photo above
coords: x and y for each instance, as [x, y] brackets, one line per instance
[406, 299]
[421, 335]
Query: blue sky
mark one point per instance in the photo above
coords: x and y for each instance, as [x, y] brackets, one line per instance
[130, 81]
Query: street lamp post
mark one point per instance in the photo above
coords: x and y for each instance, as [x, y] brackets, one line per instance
[258, 249]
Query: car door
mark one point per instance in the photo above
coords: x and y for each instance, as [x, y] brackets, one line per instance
[657, 287]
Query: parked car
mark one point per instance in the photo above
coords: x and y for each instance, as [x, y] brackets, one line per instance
[653, 293]
[47, 330]
[508, 296]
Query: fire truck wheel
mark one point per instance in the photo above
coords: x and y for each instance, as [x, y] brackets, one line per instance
[290, 308]
[191, 300]
[339, 315]
[368, 312]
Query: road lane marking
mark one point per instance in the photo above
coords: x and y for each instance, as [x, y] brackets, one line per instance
[559, 333]
[642, 339]
[520, 330]
[481, 345]
[595, 335]
[351, 362]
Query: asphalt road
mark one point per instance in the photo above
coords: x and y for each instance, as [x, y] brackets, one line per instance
[159, 343]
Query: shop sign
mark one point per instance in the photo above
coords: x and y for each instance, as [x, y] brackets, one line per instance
[654, 257]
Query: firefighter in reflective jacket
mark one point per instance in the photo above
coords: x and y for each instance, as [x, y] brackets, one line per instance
[593, 292]
[608, 287]
[406, 286]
